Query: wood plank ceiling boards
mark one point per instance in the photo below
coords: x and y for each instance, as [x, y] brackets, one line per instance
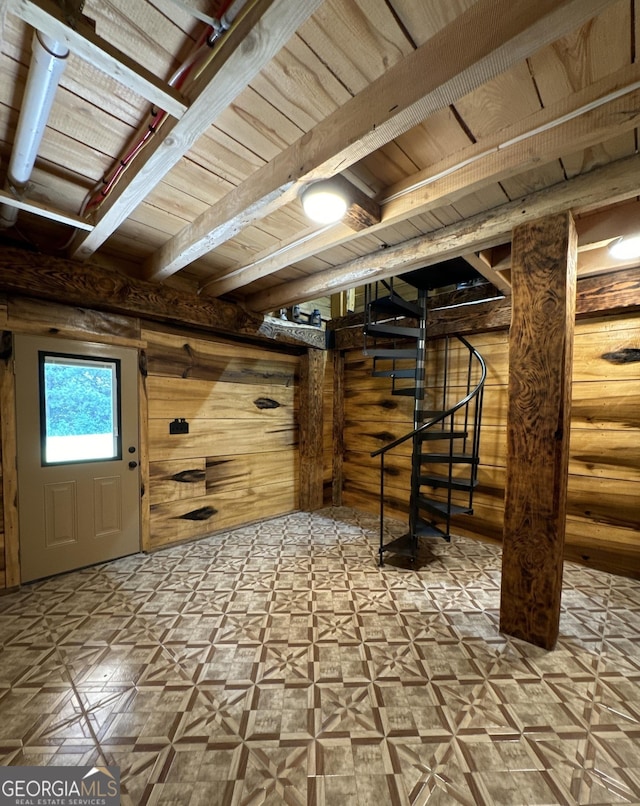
[453, 118]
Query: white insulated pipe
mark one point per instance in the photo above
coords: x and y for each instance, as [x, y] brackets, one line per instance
[48, 60]
[232, 12]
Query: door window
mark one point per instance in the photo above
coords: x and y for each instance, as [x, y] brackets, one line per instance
[79, 408]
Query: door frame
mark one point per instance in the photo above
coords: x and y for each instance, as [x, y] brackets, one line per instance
[93, 510]
[73, 345]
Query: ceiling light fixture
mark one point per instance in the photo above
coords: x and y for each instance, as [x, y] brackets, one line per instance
[625, 248]
[324, 202]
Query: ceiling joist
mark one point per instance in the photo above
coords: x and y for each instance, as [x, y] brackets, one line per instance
[602, 110]
[618, 180]
[436, 113]
[46, 16]
[484, 41]
[247, 48]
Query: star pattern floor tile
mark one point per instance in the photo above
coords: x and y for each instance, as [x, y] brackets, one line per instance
[278, 664]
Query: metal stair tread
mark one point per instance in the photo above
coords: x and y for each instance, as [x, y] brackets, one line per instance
[395, 304]
[424, 529]
[393, 373]
[391, 354]
[436, 480]
[442, 507]
[438, 434]
[428, 414]
[408, 391]
[392, 330]
[454, 458]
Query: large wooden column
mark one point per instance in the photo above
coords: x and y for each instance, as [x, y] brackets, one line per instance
[311, 434]
[538, 427]
[10, 563]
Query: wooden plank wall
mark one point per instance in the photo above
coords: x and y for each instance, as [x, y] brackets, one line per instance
[603, 521]
[239, 461]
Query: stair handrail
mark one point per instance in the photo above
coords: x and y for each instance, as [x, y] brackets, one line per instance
[443, 415]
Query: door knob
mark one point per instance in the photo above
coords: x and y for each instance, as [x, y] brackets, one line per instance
[133, 464]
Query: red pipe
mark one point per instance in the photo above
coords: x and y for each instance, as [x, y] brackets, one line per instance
[156, 119]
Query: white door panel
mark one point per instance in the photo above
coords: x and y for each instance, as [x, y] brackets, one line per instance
[78, 491]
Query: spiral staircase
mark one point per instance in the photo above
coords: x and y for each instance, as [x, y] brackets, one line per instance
[446, 382]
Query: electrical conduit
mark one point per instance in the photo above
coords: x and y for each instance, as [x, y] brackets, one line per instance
[193, 66]
[48, 61]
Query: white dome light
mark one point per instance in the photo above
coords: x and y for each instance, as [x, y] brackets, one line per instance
[324, 202]
[625, 248]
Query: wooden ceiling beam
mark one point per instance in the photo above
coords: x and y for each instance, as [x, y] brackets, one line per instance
[598, 261]
[614, 182]
[47, 16]
[595, 233]
[484, 41]
[584, 119]
[609, 294]
[598, 229]
[60, 280]
[246, 49]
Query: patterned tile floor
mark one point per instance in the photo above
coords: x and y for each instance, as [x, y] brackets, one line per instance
[277, 664]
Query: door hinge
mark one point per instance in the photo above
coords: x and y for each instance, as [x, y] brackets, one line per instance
[6, 346]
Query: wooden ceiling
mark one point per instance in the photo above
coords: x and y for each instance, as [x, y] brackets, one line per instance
[459, 118]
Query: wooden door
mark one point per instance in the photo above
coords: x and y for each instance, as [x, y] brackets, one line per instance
[77, 444]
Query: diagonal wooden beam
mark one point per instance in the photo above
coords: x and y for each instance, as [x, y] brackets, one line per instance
[595, 230]
[45, 211]
[46, 16]
[614, 182]
[247, 48]
[487, 39]
[595, 113]
[483, 266]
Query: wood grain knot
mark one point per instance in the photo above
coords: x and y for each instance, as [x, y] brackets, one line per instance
[189, 476]
[383, 436]
[202, 514]
[628, 355]
[266, 403]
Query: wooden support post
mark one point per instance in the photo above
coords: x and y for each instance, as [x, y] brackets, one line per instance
[538, 427]
[310, 440]
[337, 442]
[339, 305]
[9, 476]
